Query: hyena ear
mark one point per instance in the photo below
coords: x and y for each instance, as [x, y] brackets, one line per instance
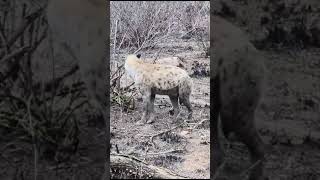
[138, 56]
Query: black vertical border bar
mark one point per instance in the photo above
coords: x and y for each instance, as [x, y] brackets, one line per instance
[212, 69]
[107, 38]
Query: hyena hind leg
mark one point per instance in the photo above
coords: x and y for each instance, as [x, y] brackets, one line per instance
[185, 100]
[175, 105]
[251, 138]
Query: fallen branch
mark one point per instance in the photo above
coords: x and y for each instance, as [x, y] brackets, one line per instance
[133, 166]
[167, 152]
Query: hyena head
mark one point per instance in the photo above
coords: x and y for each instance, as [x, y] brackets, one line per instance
[130, 64]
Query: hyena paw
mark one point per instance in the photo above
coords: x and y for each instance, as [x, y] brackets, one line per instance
[151, 119]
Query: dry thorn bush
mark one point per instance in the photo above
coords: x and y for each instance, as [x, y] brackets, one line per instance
[34, 112]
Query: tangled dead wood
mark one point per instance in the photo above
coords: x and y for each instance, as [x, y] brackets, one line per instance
[128, 166]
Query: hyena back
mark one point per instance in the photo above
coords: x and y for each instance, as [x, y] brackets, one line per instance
[152, 79]
[237, 88]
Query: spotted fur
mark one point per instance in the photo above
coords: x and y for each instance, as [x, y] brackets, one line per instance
[237, 88]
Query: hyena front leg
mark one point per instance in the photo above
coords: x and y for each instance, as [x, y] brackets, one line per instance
[148, 106]
[151, 108]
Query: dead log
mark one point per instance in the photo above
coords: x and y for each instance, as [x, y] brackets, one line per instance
[124, 167]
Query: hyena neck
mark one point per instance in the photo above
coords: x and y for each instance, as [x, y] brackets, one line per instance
[132, 67]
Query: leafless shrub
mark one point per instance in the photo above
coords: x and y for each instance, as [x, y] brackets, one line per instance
[202, 41]
[122, 96]
[142, 24]
[40, 114]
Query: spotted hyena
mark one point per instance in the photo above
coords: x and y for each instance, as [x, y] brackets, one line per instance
[237, 87]
[80, 26]
[152, 79]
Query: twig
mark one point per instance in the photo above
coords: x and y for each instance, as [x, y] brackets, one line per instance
[251, 167]
[34, 139]
[126, 88]
[115, 37]
[163, 132]
[122, 40]
[216, 174]
[119, 68]
[128, 156]
[28, 20]
[4, 40]
[157, 55]
[198, 124]
[166, 152]
[15, 53]
[117, 149]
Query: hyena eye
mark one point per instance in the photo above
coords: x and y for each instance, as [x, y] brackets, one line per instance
[138, 55]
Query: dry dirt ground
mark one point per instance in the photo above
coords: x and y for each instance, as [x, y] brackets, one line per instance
[288, 118]
[184, 150]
